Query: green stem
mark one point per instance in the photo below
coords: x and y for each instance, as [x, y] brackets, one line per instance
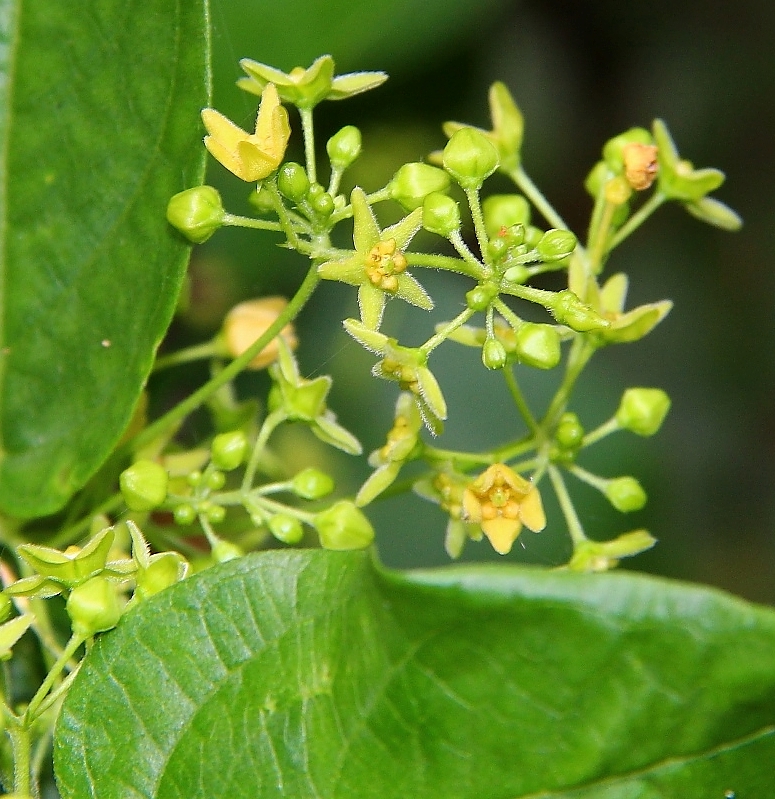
[605, 429]
[597, 245]
[20, 748]
[197, 352]
[580, 353]
[637, 219]
[566, 505]
[472, 195]
[233, 220]
[531, 191]
[469, 266]
[519, 399]
[191, 403]
[462, 248]
[267, 428]
[444, 333]
[594, 480]
[308, 130]
[70, 649]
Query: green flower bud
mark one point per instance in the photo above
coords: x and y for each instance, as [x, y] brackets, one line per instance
[533, 236]
[414, 182]
[286, 528]
[569, 310]
[292, 181]
[184, 514]
[497, 248]
[343, 526]
[480, 297]
[556, 245]
[228, 450]
[322, 202]
[470, 158]
[642, 410]
[344, 147]
[93, 607]
[312, 484]
[215, 481]
[226, 550]
[569, 433]
[625, 494]
[538, 345]
[215, 513]
[144, 485]
[197, 213]
[518, 274]
[165, 569]
[493, 354]
[261, 201]
[504, 211]
[440, 214]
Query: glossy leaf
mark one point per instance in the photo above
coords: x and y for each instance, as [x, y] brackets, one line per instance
[99, 127]
[315, 674]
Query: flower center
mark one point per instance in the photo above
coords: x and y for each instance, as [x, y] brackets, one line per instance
[383, 264]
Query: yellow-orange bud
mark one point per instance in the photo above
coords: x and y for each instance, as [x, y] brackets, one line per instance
[248, 321]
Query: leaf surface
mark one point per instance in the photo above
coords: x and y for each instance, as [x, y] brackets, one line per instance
[316, 674]
[99, 125]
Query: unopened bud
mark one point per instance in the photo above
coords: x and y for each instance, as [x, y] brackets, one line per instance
[504, 211]
[344, 147]
[248, 321]
[440, 214]
[144, 485]
[414, 182]
[343, 526]
[642, 410]
[538, 345]
[470, 157]
[197, 213]
[625, 494]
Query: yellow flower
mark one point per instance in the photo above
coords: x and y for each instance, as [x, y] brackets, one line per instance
[248, 321]
[250, 156]
[500, 501]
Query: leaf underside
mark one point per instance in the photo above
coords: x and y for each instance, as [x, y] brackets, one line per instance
[316, 674]
[99, 128]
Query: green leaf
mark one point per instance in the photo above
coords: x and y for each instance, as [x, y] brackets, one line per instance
[99, 107]
[315, 674]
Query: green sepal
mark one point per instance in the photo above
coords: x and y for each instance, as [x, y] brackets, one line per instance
[410, 290]
[365, 227]
[69, 570]
[36, 586]
[304, 88]
[11, 632]
[328, 430]
[613, 293]
[715, 213]
[635, 324]
[678, 180]
[163, 570]
[371, 339]
[343, 526]
[353, 83]
[371, 304]
[569, 310]
[598, 556]
[377, 482]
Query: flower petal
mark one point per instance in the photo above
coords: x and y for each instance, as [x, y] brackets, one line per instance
[365, 228]
[411, 291]
[371, 302]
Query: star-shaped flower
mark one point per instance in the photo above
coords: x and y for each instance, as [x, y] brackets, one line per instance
[302, 400]
[378, 264]
[501, 501]
[408, 366]
[305, 88]
[250, 156]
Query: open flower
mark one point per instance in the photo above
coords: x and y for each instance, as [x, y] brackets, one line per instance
[305, 88]
[500, 501]
[378, 264]
[250, 156]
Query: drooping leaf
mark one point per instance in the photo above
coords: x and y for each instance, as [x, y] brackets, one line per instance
[99, 106]
[315, 674]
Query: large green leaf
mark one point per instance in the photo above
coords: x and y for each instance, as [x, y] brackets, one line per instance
[98, 128]
[314, 674]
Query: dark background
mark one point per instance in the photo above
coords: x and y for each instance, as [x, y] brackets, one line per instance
[581, 72]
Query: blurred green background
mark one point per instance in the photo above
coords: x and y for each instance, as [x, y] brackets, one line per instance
[582, 71]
